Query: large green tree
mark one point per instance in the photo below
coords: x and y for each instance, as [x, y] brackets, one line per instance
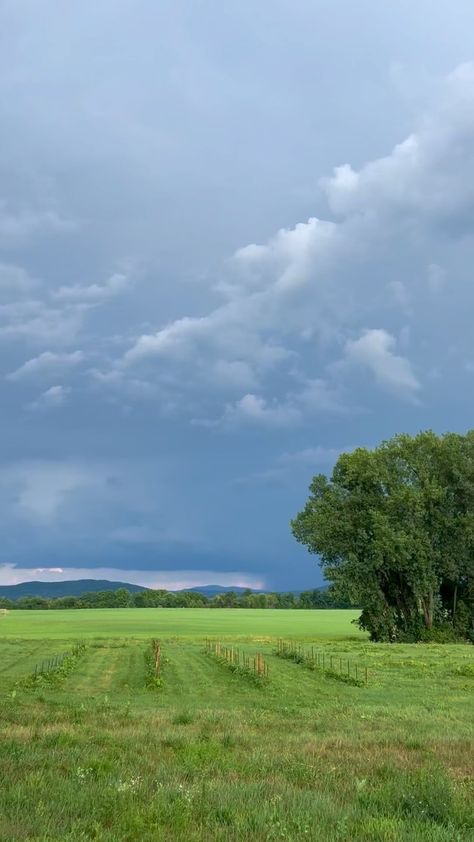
[394, 530]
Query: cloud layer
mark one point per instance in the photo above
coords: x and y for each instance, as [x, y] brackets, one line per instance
[327, 287]
[222, 258]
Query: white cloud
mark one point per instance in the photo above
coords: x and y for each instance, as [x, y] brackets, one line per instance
[117, 382]
[94, 293]
[290, 259]
[52, 398]
[30, 311]
[283, 310]
[256, 410]
[302, 294]
[374, 350]
[430, 174]
[46, 363]
[39, 570]
[311, 398]
[225, 351]
[176, 339]
[33, 320]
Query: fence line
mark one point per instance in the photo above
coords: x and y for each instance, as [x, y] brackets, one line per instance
[237, 659]
[342, 668]
[53, 663]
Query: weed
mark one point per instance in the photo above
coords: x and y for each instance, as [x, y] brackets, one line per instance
[183, 718]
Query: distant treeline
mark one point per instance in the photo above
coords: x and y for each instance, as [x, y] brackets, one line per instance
[122, 598]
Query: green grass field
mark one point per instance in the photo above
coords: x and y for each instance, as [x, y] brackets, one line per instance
[212, 755]
[183, 622]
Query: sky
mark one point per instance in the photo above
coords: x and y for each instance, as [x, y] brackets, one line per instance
[236, 239]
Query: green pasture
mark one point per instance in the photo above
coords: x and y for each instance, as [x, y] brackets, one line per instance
[182, 622]
[213, 755]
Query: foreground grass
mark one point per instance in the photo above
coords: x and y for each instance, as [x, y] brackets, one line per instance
[213, 756]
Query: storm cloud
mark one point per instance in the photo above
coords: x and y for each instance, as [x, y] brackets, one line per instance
[233, 242]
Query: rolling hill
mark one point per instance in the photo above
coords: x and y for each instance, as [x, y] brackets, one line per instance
[75, 587]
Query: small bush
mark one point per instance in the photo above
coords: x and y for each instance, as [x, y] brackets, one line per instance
[439, 634]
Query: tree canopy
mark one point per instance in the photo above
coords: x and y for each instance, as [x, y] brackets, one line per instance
[121, 598]
[394, 530]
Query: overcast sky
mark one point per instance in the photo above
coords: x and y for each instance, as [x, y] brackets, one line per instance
[235, 239]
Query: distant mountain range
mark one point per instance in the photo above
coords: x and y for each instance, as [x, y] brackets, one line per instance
[77, 587]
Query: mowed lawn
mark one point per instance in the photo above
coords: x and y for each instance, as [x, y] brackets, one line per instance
[212, 755]
[182, 622]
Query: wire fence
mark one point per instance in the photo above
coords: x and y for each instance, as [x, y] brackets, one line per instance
[56, 668]
[56, 661]
[339, 667]
[238, 660]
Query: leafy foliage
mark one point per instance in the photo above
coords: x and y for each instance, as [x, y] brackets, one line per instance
[394, 529]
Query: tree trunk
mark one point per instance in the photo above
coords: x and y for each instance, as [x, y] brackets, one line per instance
[428, 610]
